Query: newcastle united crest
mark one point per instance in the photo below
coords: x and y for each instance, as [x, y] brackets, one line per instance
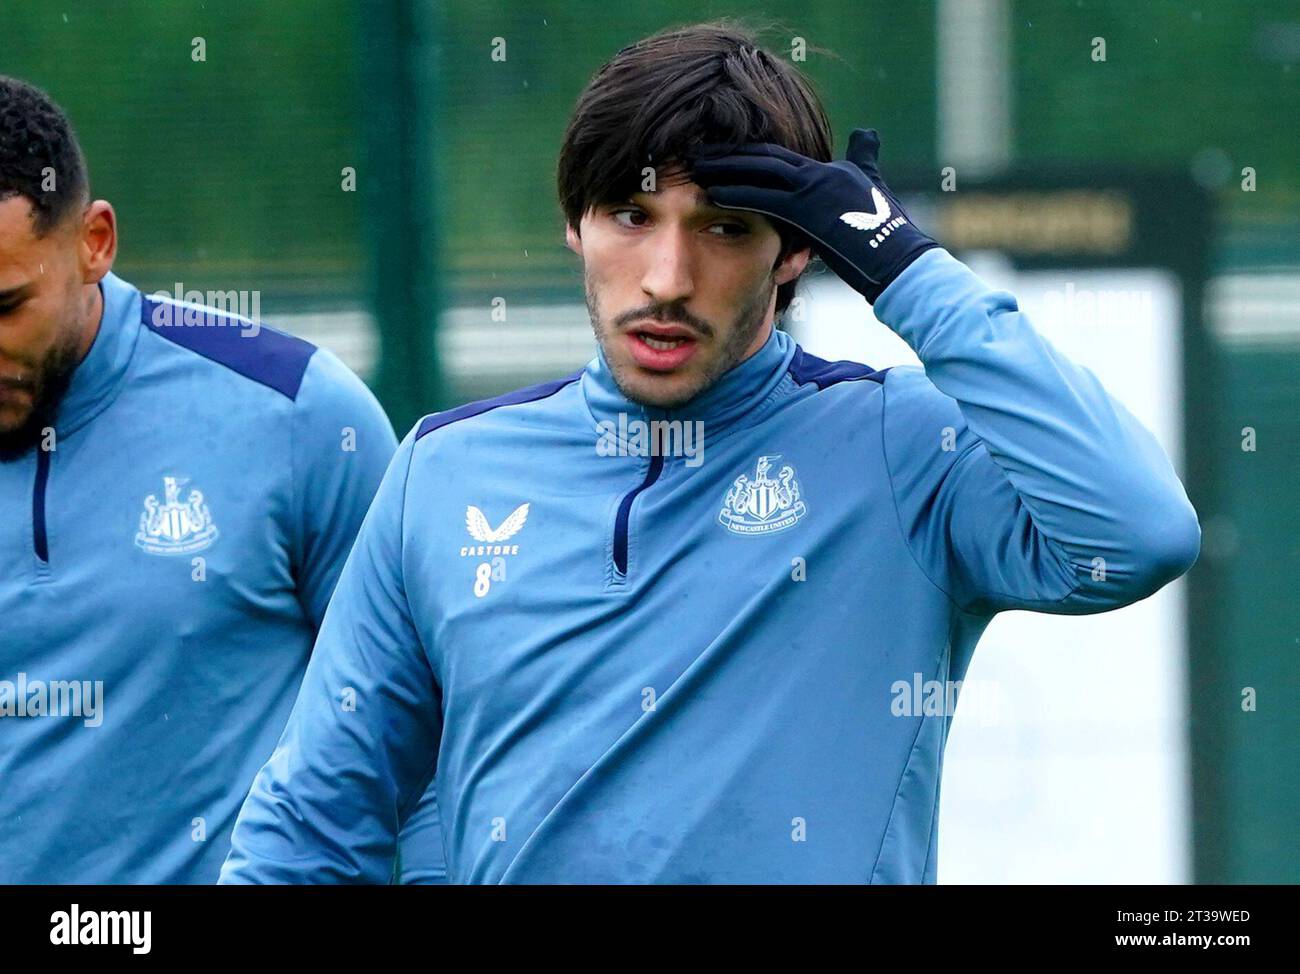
[175, 527]
[763, 504]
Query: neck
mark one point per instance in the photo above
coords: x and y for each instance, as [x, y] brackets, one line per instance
[93, 315]
[760, 339]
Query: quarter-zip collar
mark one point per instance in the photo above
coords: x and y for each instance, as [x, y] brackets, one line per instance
[737, 394]
[100, 375]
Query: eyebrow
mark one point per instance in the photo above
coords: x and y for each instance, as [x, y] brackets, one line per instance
[698, 197]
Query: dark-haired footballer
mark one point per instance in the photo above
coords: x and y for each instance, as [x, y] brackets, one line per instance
[179, 489]
[628, 666]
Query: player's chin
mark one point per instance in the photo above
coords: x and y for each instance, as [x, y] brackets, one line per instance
[15, 411]
[666, 390]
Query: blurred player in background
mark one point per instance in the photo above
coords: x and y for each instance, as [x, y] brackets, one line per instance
[179, 489]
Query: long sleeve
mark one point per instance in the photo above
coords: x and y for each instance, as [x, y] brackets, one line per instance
[423, 859]
[342, 444]
[361, 743]
[1019, 482]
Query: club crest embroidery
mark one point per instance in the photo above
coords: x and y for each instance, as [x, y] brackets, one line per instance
[763, 504]
[175, 527]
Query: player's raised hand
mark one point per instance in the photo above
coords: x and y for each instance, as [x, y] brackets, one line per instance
[859, 227]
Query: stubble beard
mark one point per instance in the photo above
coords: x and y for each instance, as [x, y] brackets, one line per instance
[48, 384]
[747, 324]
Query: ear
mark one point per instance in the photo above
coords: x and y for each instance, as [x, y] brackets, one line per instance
[572, 240]
[98, 247]
[792, 265]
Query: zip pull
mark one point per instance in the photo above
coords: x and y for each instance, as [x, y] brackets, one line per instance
[625, 513]
[41, 540]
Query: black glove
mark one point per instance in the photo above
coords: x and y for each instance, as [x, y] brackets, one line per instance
[860, 230]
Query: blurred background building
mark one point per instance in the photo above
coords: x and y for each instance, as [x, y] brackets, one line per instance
[381, 173]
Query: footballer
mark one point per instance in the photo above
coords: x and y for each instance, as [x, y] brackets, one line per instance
[179, 489]
[621, 667]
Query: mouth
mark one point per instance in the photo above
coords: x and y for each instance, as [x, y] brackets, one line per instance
[660, 347]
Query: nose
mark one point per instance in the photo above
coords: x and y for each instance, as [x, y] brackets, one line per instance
[670, 275]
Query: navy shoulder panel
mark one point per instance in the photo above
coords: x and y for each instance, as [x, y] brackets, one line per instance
[805, 368]
[528, 394]
[268, 356]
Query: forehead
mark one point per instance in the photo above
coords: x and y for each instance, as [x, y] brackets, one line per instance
[675, 184]
[685, 196]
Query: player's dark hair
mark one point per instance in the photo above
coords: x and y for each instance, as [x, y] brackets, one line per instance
[40, 159]
[658, 99]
